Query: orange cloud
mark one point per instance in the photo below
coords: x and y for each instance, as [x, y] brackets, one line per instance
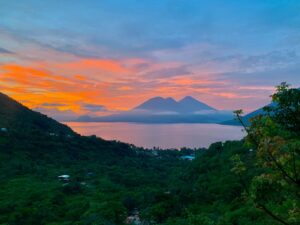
[107, 65]
[36, 87]
[80, 77]
[98, 66]
[125, 88]
[116, 84]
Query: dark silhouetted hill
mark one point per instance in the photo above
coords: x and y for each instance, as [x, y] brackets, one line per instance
[14, 115]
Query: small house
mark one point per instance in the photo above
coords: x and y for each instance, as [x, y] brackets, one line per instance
[90, 174]
[154, 153]
[188, 157]
[64, 178]
[134, 218]
[3, 129]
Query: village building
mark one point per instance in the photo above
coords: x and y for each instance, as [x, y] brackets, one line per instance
[188, 157]
[3, 129]
[134, 218]
[64, 178]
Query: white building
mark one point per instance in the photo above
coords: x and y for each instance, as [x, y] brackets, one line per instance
[64, 177]
[188, 157]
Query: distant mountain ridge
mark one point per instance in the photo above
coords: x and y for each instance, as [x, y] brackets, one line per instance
[246, 118]
[166, 110]
[158, 103]
[194, 105]
[186, 105]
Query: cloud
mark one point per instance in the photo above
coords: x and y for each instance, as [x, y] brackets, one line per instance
[268, 61]
[53, 104]
[125, 88]
[270, 77]
[60, 115]
[88, 30]
[40, 85]
[169, 72]
[116, 54]
[94, 108]
[5, 51]
[112, 66]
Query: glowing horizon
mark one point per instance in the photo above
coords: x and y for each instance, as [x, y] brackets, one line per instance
[101, 57]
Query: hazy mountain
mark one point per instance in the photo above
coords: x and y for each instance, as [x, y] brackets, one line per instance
[158, 104]
[193, 105]
[246, 118]
[186, 105]
[166, 110]
[250, 115]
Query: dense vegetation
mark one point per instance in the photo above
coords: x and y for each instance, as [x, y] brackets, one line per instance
[247, 182]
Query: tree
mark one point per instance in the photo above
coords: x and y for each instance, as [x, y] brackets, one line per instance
[275, 138]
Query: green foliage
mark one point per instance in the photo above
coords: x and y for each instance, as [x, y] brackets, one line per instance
[286, 112]
[246, 182]
[275, 138]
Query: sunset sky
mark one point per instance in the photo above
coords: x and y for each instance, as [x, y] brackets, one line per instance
[102, 56]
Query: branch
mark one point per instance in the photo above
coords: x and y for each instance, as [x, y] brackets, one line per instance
[281, 169]
[273, 216]
[238, 115]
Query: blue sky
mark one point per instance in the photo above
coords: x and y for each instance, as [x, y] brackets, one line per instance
[227, 53]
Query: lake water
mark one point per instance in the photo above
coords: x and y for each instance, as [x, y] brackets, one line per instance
[161, 135]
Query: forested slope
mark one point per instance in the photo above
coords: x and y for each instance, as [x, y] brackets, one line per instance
[245, 182]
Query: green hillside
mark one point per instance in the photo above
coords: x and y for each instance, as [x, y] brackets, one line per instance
[112, 183]
[15, 116]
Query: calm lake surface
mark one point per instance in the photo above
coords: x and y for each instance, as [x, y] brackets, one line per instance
[161, 135]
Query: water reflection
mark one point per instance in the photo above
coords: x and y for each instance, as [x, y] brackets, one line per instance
[161, 135]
